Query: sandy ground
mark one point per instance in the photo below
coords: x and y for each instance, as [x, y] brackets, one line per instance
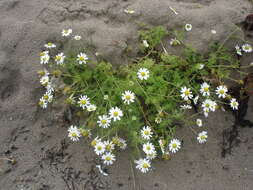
[46, 159]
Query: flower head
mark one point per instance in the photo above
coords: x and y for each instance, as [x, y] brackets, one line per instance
[234, 104]
[204, 89]
[44, 57]
[44, 81]
[50, 45]
[115, 113]
[77, 37]
[188, 27]
[128, 97]
[202, 137]
[109, 146]
[146, 133]
[221, 91]
[199, 123]
[143, 74]
[186, 93]
[84, 101]
[104, 121]
[82, 58]
[143, 165]
[59, 58]
[122, 144]
[209, 105]
[152, 155]
[247, 48]
[145, 43]
[91, 107]
[43, 103]
[99, 148]
[174, 145]
[66, 32]
[108, 158]
[74, 133]
[148, 148]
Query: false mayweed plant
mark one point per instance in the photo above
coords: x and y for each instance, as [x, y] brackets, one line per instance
[139, 105]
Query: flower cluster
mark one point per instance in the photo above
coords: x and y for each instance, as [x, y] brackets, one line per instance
[139, 102]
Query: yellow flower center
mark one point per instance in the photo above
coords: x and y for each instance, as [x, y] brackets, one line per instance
[222, 91]
[145, 165]
[108, 158]
[103, 121]
[81, 58]
[93, 143]
[146, 133]
[174, 145]
[49, 44]
[46, 97]
[83, 102]
[202, 137]
[42, 54]
[74, 135]
[206, 89]
[99, 147]
[128, 97]
[108, 147]
[148, 148]
[143, 74]
[115, 114]
[58, 58]
[187, 92]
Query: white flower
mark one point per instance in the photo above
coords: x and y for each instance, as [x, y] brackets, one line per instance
[208, 105]
[66, 32]
[174, 42]
[186, 107]
[128, 97]
[174, 145]
[143, 74]
[115, 113]
[95, 141]
[247, 48]
[213, 31]
[44, 80]
[44, 57]
[158, 120]
[50, 45]
[48, 96]
[59, 58]
[108, 158]
[83, 101]
[91, 107]
[43, 103]
[109, 146]
[143, 165]
[145, 43]
[221, 91]
[199, 123]
[99, 148]
[82, 58]
[238, 50]
[234, 104]
[188, 27]
[202, 137]
[104, 121]
[195, 100]
[152, 155]
[186, 93]
[74, 133]
[77, 37]
[204, 89]
[122, 144]
[148, 148]
[146, 133]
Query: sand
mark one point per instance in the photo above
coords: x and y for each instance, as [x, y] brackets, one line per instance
[36, 139]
